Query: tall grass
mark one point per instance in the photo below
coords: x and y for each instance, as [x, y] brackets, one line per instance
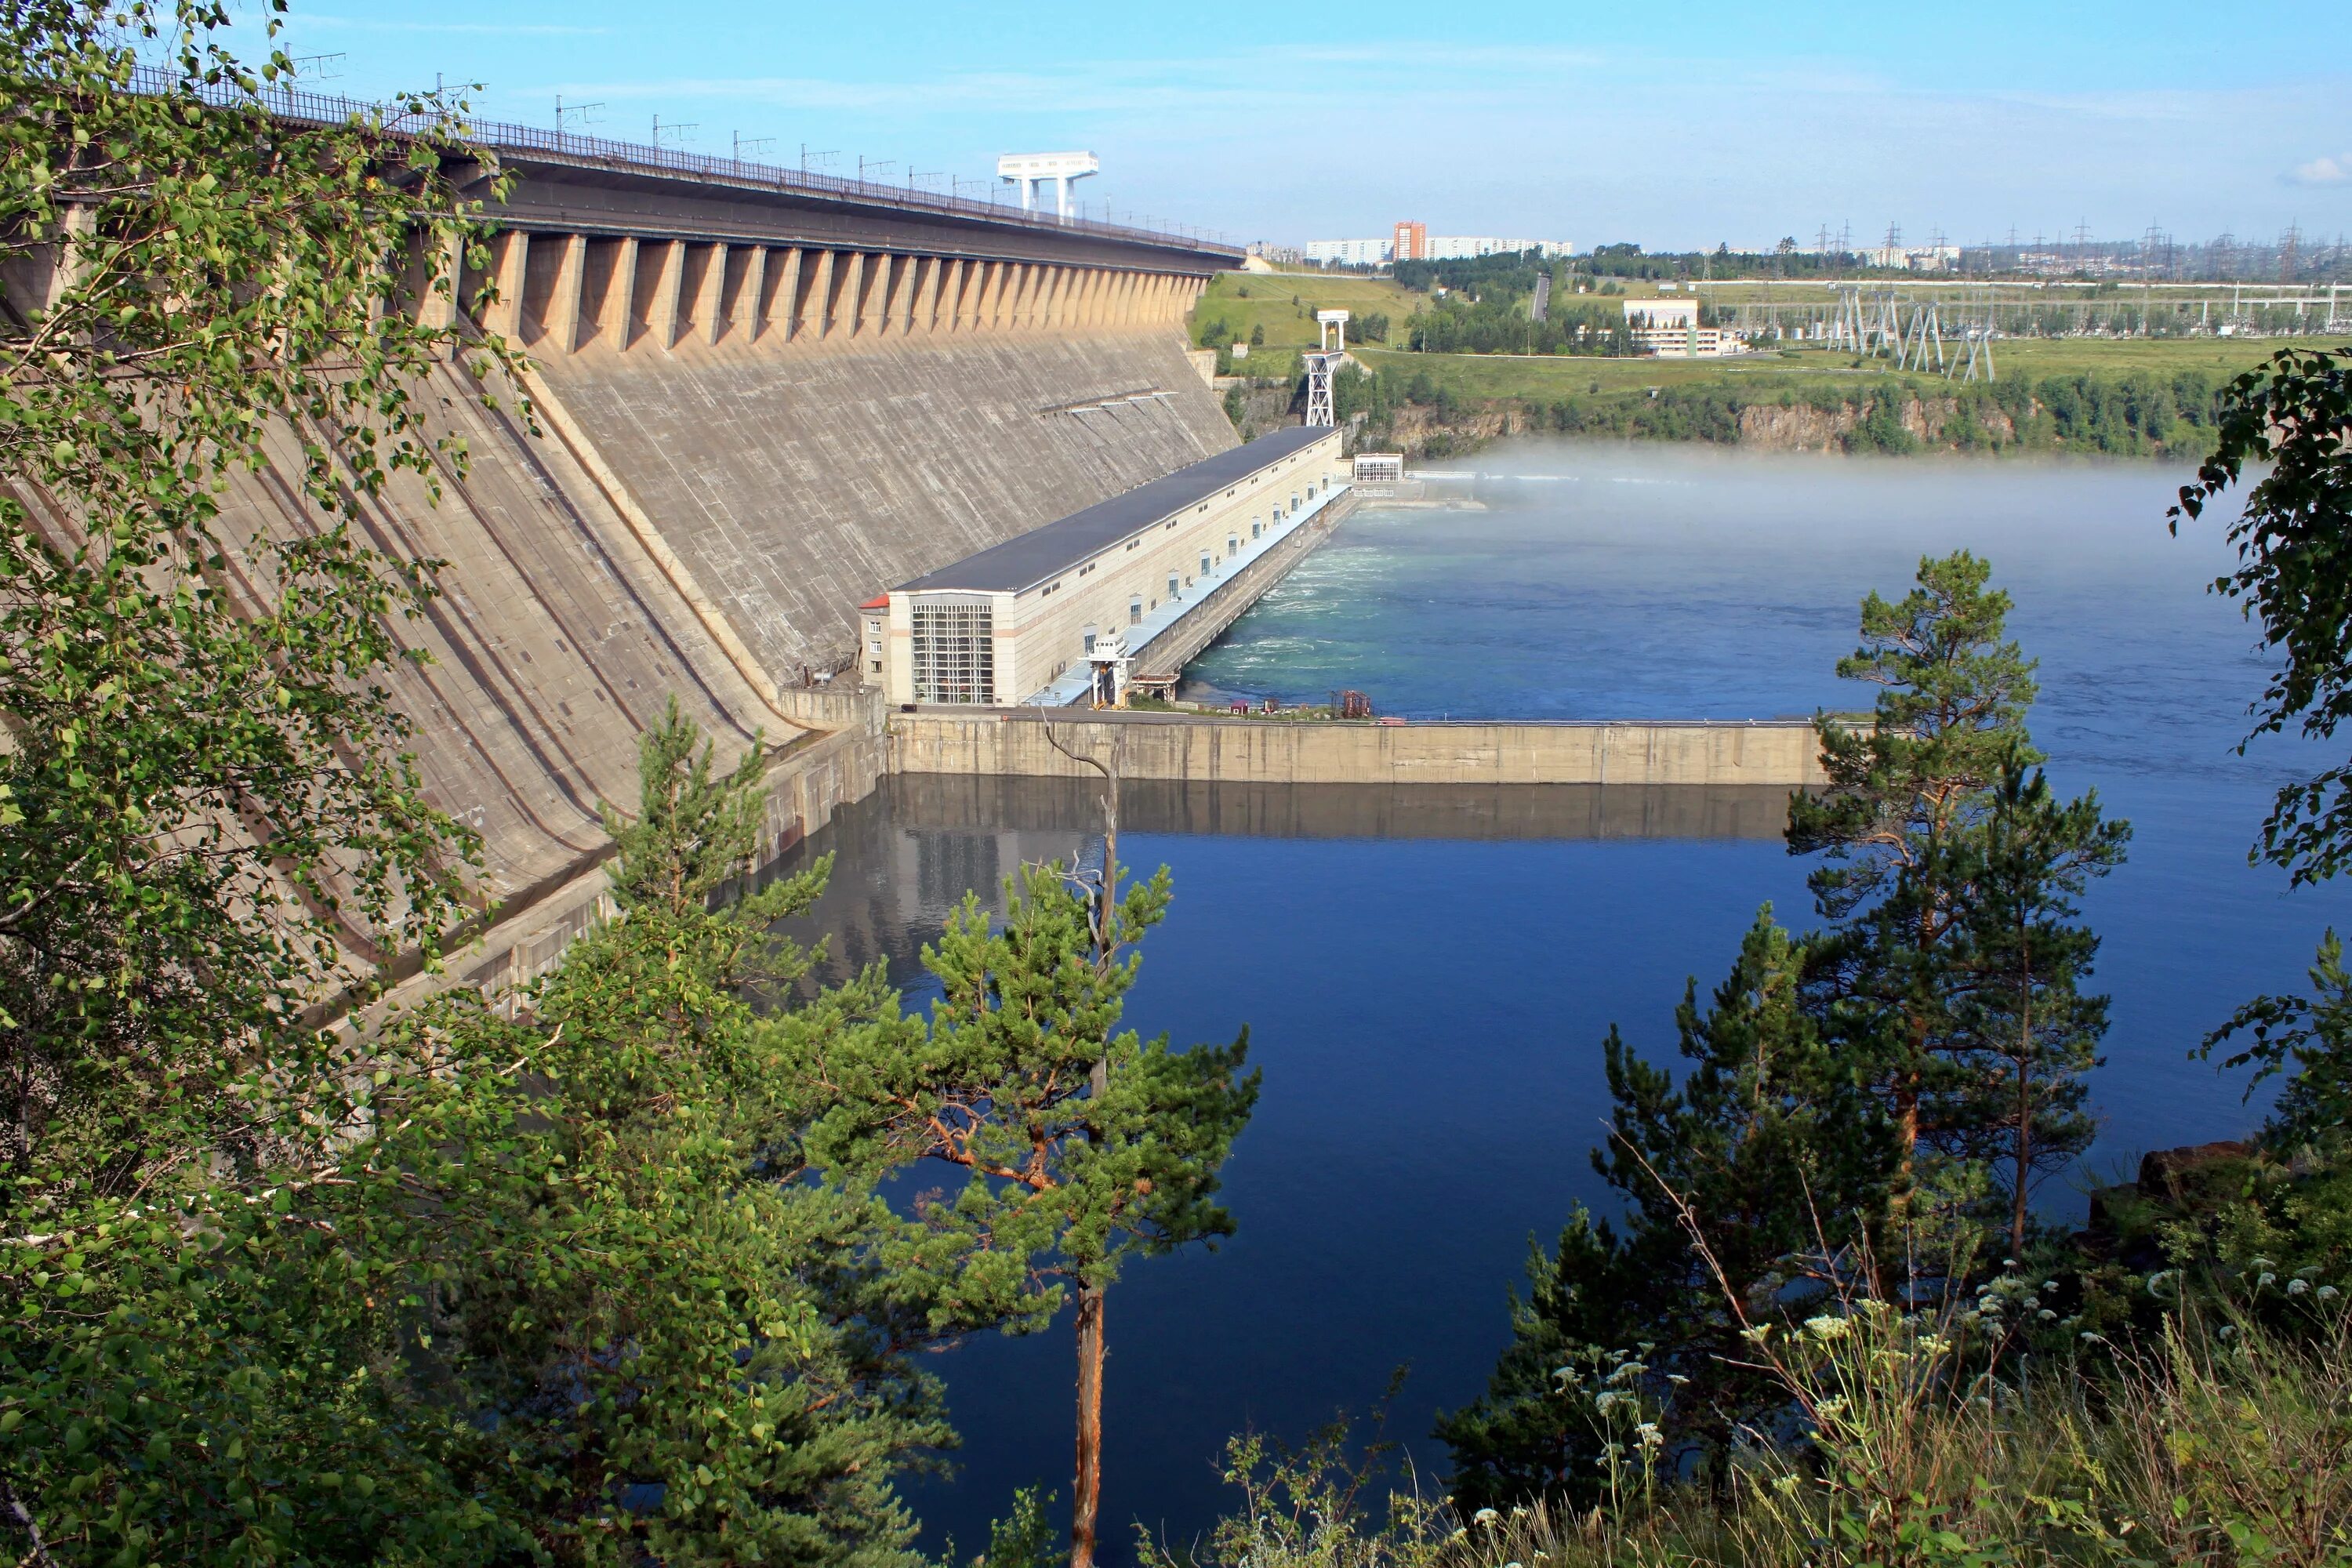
[1902, 1447]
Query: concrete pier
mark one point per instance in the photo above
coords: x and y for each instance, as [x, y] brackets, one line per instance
[1200, 749]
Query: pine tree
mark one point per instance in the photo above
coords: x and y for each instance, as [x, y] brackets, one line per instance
[1769, 1151]
[1904, 793]
[1767, 1145]
[1081, 1143]
[1528, 1436]
[672, 1343]
[2031, 1033]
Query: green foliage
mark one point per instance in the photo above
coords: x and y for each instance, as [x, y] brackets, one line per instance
[674, 1342]
[1023, 1538]
[1768, 1151]
[2212, 1441]
[1314, 1507]
[1524, 1437]
[213, 825]
[2309, 1038]
[1079, 1141]
[2294, 538]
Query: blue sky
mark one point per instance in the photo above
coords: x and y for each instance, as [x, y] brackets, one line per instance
[1669, 125]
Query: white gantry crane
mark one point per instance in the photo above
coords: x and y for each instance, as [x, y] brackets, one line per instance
[1030, 170]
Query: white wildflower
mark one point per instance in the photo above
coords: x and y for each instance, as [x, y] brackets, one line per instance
[2327, 1293]
[2267, 1279]
[1486, 1516]
[2046, 1315]
[2032, 1302]
[1827, 1328]
[2297, 1287]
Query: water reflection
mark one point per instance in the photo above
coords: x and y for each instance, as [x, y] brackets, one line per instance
[910, 852]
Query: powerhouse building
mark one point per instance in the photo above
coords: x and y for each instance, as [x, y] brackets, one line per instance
[1015, 624]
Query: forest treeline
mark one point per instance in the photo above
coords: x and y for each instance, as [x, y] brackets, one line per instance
[2134, 413]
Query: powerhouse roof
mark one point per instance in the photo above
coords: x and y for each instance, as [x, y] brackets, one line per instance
[1045, 552]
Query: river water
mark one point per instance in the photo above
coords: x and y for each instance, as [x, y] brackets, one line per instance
[1427, 975]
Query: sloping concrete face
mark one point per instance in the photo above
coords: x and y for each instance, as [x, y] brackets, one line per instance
[555, 640]
[797, 481]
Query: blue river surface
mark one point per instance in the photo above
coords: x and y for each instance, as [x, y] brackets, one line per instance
[1428, 1000]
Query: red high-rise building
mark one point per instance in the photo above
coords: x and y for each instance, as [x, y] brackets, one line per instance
[1410, 242]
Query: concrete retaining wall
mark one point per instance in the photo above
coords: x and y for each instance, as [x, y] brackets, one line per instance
[1244, 751]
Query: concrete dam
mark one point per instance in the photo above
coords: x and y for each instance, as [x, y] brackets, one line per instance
[759, 402]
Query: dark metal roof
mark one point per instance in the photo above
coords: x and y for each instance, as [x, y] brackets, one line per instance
[1044, 552]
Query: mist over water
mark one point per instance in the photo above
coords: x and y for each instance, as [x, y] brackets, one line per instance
[1428, 1009]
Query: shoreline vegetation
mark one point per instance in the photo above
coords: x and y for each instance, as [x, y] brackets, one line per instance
[2108, 393]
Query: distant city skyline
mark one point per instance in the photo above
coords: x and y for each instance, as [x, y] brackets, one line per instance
[1680, 129]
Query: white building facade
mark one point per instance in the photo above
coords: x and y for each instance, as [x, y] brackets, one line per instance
[1015, 623]
[1470, 247]
[1348, 252]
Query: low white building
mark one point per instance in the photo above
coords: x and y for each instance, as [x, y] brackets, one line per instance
[1016, 622]
[1913, 257]
[1662, 314]
[1670, 330]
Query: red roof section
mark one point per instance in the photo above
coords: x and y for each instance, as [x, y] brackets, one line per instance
[880, 603]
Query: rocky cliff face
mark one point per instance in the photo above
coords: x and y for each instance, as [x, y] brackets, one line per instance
[1801, 427]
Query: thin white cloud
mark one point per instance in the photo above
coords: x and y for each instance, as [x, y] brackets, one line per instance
[2332, 170]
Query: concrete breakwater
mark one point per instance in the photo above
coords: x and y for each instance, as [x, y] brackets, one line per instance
[1200, 749]
[1379, 778]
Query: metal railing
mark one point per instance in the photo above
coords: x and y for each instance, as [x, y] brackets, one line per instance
[328, 109]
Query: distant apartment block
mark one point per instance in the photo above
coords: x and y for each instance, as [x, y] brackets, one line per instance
[1279, 255]
[1413, 242]
[1348, 252]
[1470, 247]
